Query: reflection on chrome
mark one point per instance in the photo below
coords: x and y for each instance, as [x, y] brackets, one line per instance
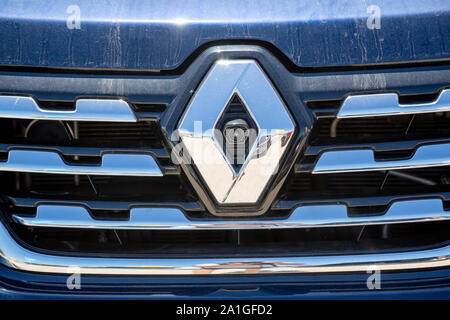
[309, 216]
[387, 104]
[247, 80]
[364, 160]
[106, 110]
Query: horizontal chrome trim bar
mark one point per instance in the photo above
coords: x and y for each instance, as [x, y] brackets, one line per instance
[17, 257]
[85, 151]
[353, 202]
[433, 155]
[387, 104]
[113, 164]
[61, 216]
[397, 145]
[105, 204]
[104, 110]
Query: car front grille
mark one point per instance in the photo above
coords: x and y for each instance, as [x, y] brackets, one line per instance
[144, 219]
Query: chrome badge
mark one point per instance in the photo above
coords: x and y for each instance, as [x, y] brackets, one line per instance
[202, 132]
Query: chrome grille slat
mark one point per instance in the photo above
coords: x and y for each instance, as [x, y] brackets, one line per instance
[364, 160]
[30, 203]
[113, 164]
[387, 104]
[398, 145]
[58, 216]
[22, 107]
[86, 151]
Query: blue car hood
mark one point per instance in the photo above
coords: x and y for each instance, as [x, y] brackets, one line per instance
[161, 35]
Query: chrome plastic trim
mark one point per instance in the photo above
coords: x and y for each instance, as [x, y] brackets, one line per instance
[405, 211]
[113, 164]
[364, 160]
[246, 79]
[387, 104]
[17, 257]
[60, 216]
[105, 110]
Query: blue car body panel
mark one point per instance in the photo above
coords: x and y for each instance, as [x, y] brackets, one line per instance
[161, 35]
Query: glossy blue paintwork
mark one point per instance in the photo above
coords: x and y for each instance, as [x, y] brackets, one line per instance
[130, 34]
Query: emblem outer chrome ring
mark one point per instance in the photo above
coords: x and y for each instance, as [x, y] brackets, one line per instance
[196, 131]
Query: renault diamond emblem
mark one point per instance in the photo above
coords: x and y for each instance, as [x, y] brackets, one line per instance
[200, 129]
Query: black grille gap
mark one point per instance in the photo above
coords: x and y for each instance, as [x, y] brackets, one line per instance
[57, 105]
[403, 99]
[69, 187]
[89, 134]
[70, 105]
[324, 104]
[140, 133]
[364, 184]
[149, 107]
[248, 243]
[375, 129]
